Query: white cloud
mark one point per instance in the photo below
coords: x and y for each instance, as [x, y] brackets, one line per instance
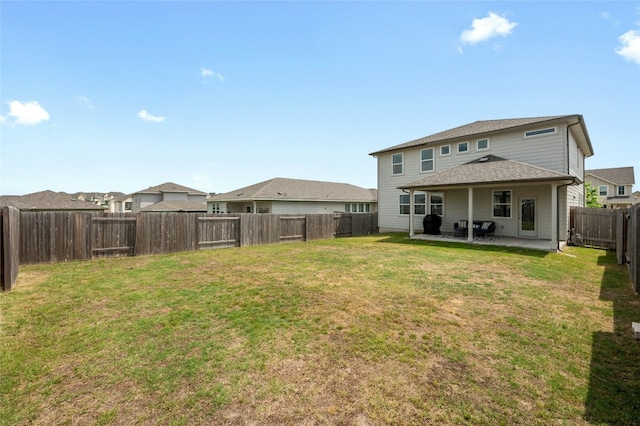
[86, 102]
[145, 116]
[207, 73]
[485, 28]
[25, 113]
[630, 46]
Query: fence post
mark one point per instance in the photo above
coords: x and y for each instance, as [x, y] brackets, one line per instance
[10, 240]
[621, 235]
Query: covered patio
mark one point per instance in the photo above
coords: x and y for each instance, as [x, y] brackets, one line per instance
[532, 244]
[527, 204]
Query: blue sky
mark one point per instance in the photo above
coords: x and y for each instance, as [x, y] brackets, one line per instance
[120, 96]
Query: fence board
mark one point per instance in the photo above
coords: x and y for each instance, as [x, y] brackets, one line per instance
[9, 247]
[113, 235]
[218, 231]
[633, 254]
[596, 226]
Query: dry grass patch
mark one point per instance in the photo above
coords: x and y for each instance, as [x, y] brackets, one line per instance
[375, 330]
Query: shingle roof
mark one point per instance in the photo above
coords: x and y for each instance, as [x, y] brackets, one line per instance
[47, 200]
[169, 187]
[478, 128]
[488, 170]
[617, 175]
[298, 190]
[176, 206]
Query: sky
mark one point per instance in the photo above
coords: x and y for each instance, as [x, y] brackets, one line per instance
[123, 95]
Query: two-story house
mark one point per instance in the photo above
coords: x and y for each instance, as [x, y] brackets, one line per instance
[169, 197]
[523, 174]
[613, 186]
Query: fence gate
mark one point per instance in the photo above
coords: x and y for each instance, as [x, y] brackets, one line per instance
[113, 236]
[218, 232]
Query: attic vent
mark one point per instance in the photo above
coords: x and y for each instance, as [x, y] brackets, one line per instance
[483, 160]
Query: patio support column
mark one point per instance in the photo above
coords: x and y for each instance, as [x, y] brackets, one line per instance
[411, 209]
[554, 214]
[470, 214]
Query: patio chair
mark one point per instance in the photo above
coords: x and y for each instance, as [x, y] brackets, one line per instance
[483, 228]
[460, 229]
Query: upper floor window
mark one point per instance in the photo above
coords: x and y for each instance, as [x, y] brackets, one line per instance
[621, 190]
[463, 147]
[482, 144]
[501, 203]
[397, 163]
[445, 150]
[540, 132]
[604, 190]
[426, 160]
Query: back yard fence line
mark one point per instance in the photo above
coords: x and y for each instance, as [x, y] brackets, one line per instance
[614, 230]
[45, 237]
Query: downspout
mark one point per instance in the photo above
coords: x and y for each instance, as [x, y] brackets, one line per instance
[560, 186]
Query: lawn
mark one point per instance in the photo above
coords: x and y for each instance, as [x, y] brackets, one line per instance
[364, 331]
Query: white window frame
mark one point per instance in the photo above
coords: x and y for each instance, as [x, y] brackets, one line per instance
[432, 204]
[605, 192]
[463, 143]
[394, 164]
[445, 154]
[624, 190]
[540, 132]
[432, 160]
[419, 208]
[494, 204]
[478, 144]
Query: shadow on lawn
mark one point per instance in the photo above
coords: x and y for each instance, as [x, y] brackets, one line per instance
[614, 380]
[402, 238]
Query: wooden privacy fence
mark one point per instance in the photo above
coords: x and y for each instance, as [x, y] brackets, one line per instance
[597, 227]
[43, 237]
[613, 230]
[9, 249]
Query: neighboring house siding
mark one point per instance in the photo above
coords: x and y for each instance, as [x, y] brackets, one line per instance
[306, 207]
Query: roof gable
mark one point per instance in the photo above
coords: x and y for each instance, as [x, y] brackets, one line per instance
[616, 175]
[48, 200]
[169, 187]
[296, 190]
[489, 169]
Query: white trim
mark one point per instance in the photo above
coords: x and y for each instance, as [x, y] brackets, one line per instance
[401, 154]
[458, 147]
[511, 193]
[433, 160]
[540, 132]
[447, 154]
[478, 145]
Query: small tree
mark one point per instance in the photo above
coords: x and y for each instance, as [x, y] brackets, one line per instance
[592, 196]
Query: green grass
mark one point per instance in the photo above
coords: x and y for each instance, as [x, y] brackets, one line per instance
[372, 330]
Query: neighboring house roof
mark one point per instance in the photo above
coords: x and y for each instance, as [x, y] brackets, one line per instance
[169, 187]
[122, 198]
[616, 175]
[483, 127]
[298, 190]
[176, 206]
[47, 200]
[489, 169]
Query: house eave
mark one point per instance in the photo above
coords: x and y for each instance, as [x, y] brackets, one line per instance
[492, 184]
